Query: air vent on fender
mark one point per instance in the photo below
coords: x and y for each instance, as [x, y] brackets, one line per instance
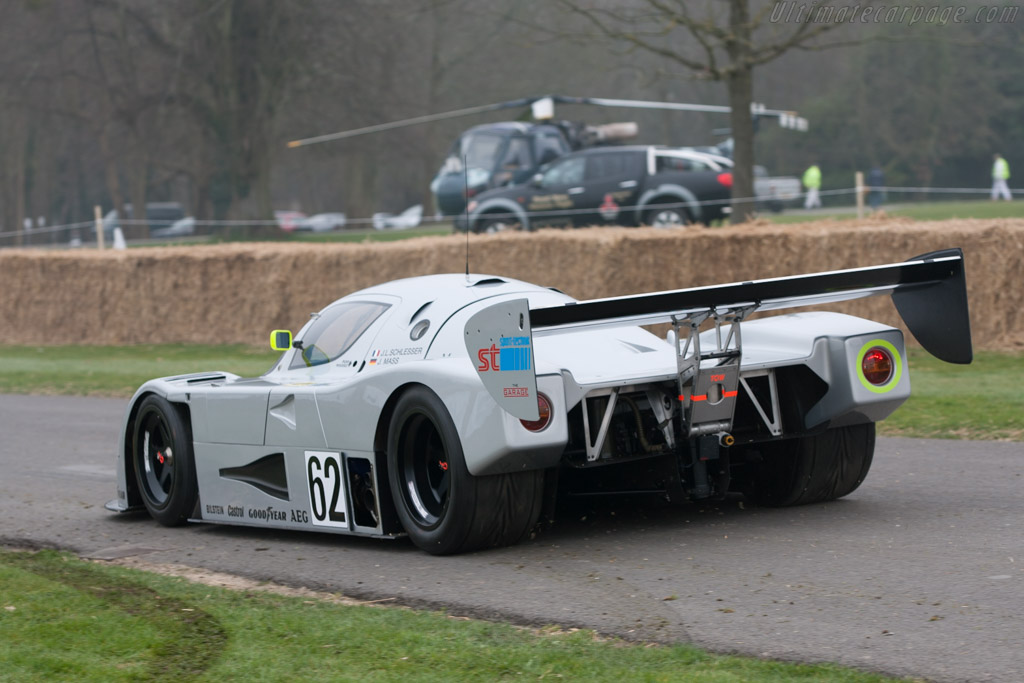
[267, 474]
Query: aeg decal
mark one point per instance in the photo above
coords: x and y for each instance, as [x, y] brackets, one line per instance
[513, 355]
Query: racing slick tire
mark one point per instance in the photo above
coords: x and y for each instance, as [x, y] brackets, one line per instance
[666, 217]
[163, 460]
[444, 508]
[814, 469]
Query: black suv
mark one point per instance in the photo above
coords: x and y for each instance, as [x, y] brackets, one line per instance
[633, 185]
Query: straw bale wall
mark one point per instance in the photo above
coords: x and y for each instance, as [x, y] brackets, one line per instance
[236, 293]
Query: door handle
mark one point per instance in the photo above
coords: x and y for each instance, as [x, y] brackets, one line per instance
[575, 190]
[627, 184]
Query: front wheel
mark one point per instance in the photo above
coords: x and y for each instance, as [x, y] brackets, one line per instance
[443, 507]
[164, 463]
[813, 469]
[666, 217]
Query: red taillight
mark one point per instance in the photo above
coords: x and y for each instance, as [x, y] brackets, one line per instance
[877, 366]
[725, 179]
[544, 407]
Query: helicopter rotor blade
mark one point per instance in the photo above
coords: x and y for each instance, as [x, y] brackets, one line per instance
[785, 116]
[675, 106]
[429, 118]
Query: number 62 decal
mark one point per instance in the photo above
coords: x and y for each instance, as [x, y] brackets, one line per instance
[327, 499]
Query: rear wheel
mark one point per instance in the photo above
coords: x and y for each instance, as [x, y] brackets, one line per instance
[443, 507]
[666, 217]
[813, 469]
[164, 463]
[503, 224]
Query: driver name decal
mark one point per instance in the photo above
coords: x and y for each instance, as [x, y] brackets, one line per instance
[394, 356]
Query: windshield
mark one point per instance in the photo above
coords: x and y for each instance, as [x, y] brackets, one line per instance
[480, 150]
[335, 331]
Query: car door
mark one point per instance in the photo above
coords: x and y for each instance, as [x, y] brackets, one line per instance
[611, 185]
[550, 201]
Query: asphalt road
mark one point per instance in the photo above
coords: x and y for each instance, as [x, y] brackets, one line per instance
[918, 573]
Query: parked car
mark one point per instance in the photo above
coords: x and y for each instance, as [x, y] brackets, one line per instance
[321, 222]
[410, 218]
[775, 192]
[289, 220]
[179, 228]
[159, 216]
[609, 186]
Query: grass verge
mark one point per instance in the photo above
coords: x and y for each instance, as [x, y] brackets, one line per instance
[65, 619]
[919, 211]
[983, 400]
[118, 370]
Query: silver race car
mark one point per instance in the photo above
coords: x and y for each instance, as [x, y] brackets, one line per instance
[456, 408]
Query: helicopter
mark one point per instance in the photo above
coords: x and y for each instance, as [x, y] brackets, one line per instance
[492, 155]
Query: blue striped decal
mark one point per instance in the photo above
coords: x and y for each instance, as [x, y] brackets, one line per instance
[514, 358]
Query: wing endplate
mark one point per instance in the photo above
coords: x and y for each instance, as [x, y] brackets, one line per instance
[936, 312]
[500, 345]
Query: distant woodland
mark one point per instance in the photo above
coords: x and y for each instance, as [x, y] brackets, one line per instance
[114, 101]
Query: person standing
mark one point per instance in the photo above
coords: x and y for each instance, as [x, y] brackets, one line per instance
[812, 181]
[1000, 174]
[876, 183]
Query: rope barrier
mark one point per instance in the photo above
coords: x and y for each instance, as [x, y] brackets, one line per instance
[219, 225]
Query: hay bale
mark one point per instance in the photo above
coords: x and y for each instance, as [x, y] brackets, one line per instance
[236, 293]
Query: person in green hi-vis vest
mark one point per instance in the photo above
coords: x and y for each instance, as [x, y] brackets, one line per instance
[1000, 174]
[812, 181]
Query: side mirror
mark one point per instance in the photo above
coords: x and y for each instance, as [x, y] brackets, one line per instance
[281, 340]
[537, 179]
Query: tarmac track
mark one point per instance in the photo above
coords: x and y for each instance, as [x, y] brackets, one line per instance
[920, 572]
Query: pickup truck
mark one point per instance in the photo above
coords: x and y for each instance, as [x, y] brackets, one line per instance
[628, 185]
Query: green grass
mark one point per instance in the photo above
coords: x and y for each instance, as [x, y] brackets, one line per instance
[922, 211]
[983, 400]
[118, 370]
[275, 235]
[375, 235]
[66, 619]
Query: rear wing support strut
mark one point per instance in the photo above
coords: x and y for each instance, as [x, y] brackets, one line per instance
[709, 378]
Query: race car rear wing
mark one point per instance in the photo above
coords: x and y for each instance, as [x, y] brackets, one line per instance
[929, 291]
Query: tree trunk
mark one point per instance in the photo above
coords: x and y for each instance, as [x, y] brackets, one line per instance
[18, 188]
[110, 170]
[741, 95]
[138, 193]
[741, 92]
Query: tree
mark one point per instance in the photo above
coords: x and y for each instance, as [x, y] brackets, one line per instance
[730, 40]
